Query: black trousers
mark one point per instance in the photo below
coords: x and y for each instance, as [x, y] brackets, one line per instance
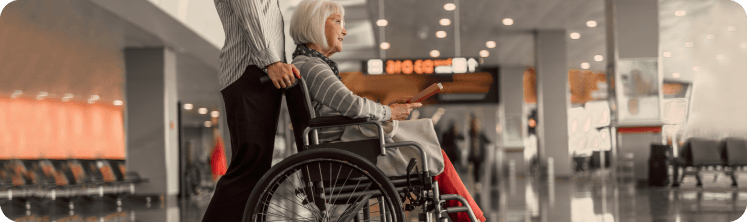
[252, 111]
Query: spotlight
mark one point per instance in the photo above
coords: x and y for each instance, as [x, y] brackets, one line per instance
[449, 6]
[435, 53]
[575, 35]
[591, 24]
[382, 22]
[490, 44]
[444, 22]
[585, 65]
[508, 21]
[188, 106]
[202, 111]
[440, 34]
[384, 45]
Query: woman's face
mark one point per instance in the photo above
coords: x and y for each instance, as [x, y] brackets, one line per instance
[335, 32]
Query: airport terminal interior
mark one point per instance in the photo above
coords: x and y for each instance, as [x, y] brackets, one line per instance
[549, 110]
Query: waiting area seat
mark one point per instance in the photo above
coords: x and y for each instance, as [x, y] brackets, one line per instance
[698, 154]
[71, 179]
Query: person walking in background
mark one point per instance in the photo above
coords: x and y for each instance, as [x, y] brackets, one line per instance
[450, 144]
[477, 143]
[254, 48]
[218, 156]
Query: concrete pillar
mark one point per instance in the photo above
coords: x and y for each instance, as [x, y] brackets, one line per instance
[151, 119]
[632, 34]
[513, 121]
[553, 100]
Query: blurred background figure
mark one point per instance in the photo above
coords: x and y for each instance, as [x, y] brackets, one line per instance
[477, 143]
[218, 156]
[450, 144]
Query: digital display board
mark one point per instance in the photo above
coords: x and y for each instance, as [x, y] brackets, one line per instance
[421, 66]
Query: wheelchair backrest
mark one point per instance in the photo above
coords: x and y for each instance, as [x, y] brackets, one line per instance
[300, 110]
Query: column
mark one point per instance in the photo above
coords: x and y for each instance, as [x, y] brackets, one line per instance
[632, 40]
[513, 119]
[553, 100]
[151, 119]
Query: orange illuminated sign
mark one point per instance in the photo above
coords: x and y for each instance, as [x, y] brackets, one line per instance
[420, 66]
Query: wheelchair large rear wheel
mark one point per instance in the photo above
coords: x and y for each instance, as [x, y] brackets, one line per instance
[324, 185]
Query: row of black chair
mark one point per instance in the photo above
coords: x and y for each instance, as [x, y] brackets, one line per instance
[728, 155]
[52, 178]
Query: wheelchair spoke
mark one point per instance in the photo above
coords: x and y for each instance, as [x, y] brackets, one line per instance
[294, 194]
[321, 178]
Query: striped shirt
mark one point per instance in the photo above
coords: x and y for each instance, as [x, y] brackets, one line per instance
[254, 36]
[330, 97]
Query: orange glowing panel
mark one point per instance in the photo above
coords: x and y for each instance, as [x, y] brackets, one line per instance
[33, 129]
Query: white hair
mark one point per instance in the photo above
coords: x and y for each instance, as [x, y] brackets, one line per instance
[308, 21]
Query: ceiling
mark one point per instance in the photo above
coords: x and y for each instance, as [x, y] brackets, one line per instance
[413, 24]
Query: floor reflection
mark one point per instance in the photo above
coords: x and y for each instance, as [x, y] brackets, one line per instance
[519, 199]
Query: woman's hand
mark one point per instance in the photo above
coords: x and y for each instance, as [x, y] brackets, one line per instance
[401, 111]
[401, 100]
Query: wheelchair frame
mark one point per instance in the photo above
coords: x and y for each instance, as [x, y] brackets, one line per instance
[428, 197]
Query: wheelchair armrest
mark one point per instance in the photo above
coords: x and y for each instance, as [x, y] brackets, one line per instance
[335, 121]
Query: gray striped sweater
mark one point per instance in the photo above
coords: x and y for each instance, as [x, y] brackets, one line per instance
[332, 98]
[254, 36]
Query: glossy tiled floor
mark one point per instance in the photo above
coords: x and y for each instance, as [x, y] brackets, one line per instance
[579, 199]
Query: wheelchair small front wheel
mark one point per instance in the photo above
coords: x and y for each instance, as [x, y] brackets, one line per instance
[324, 185]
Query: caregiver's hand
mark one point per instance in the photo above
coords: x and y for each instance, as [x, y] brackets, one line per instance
[401, 111]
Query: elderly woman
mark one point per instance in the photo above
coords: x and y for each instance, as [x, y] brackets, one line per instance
[317, 27]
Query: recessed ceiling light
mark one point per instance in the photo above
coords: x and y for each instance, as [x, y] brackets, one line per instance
[435, 53]
[16, 94]
[598, 58]
[118, 102]
[689, 44]
[666, 54]
[208, 124]
[188, 106]
[67, 97]
[382, 22]
[484, 53]
[444, 22]
[591, 24]
[490, 44]
[731, 28]
[743, 45]
[41, 95]
[585, 65]
[440, 34]
[202, 111]
[384, 45]
[696, 68]
[710, 36]
[575, 35]
[676, 75]
[215, 113]
[508, 21]
[449, 6]
[680, 13]
[93, 98]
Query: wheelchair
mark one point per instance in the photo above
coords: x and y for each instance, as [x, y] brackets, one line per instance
[339, 181]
